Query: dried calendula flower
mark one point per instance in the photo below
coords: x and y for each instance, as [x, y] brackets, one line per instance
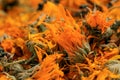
[98, 20]
[68, 35]
[73, 42]
[8, 45]
[49, 69]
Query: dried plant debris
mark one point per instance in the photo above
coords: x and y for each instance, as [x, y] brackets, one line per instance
[59, 40]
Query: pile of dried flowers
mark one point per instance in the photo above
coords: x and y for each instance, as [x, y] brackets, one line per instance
[59, 40]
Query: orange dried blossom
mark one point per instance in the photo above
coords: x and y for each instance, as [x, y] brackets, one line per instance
[8, 45]
[98, 20]
[49, 69]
